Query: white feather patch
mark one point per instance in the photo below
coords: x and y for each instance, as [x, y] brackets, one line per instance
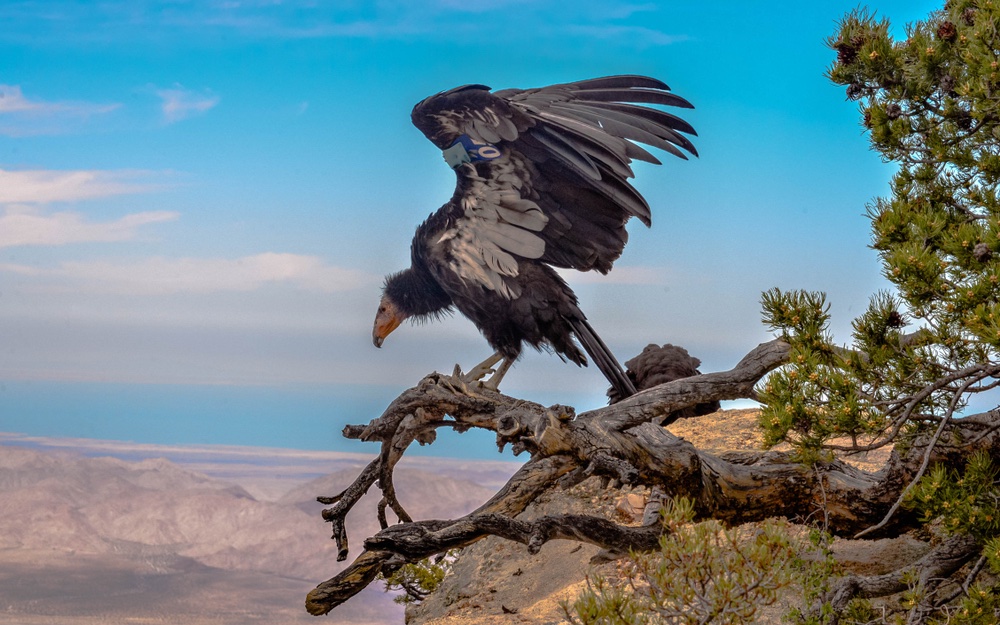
[499, 225]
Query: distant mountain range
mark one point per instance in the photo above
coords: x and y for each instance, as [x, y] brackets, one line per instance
[86, 538]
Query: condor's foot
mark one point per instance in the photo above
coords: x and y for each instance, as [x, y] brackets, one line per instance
[486, 367]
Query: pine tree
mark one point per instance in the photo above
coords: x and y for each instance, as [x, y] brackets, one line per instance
[923, 357]
[920, 353]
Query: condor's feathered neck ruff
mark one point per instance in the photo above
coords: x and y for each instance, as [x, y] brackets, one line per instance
[416, 294]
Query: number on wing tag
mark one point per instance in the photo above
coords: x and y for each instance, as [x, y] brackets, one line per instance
[467, 150]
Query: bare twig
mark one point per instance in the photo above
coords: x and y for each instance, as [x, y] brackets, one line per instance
[621, 442]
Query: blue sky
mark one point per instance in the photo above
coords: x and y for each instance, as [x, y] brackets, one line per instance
[206, 195]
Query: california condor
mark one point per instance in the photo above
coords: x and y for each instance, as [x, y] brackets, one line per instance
[542, 182]
[661, 364]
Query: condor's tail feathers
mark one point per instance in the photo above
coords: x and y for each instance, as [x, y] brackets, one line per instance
[603, 358]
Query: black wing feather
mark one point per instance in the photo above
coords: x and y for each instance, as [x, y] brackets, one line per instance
[568, 148]
[566, 151]
[640, 94]
[634, 130]
[650, 121]
[658, 117]
[626, 81]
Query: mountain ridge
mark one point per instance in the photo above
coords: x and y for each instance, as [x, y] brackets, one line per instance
[152, 519]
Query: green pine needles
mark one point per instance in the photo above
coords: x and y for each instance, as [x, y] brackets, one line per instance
[701, 573]
[922, 353]
[419, 579]
[966, 502]
[930, 103]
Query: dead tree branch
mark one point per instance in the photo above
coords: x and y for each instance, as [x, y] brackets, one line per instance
[929, 571]
[622, 443]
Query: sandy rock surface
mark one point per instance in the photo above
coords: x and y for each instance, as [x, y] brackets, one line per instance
[498, 582]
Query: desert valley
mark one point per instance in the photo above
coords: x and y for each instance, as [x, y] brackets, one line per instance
[106, 532]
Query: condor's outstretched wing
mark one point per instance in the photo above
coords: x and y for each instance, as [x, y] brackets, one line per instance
[543, 173]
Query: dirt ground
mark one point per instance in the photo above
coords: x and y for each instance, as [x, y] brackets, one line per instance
[498, 582]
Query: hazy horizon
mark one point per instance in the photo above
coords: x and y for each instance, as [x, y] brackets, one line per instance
[295, 419]
[199, 201]
[106, 531]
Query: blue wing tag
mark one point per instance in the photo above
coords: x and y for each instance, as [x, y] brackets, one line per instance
[466, 150]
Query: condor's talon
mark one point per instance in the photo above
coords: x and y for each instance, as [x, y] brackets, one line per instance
[494, 382]
[480, 371]
[455, 384]
[497, 364]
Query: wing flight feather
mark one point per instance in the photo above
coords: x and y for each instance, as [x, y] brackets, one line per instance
[547, 173]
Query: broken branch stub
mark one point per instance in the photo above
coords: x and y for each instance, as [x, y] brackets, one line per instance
[622, 443]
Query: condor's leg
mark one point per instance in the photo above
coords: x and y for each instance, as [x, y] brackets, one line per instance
[494, 382]
[477, 373]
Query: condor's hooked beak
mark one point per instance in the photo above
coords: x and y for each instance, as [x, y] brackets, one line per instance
[387, 319]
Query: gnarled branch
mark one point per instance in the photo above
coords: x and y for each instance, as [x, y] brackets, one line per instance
[622, 443]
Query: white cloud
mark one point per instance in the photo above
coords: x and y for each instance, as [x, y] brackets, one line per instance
[23, 116]
[24, 221]
[471, 6]
[180, 103]
[619, 275]
[28, 227]
[167, 276]
[637, 35]
[12, 100]
[44, 186]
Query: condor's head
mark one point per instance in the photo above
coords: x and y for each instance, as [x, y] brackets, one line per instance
[387, 319]
[407, 294]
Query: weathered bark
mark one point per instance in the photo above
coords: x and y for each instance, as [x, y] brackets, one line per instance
[531, 480]
[928, 572]
[621, 443]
